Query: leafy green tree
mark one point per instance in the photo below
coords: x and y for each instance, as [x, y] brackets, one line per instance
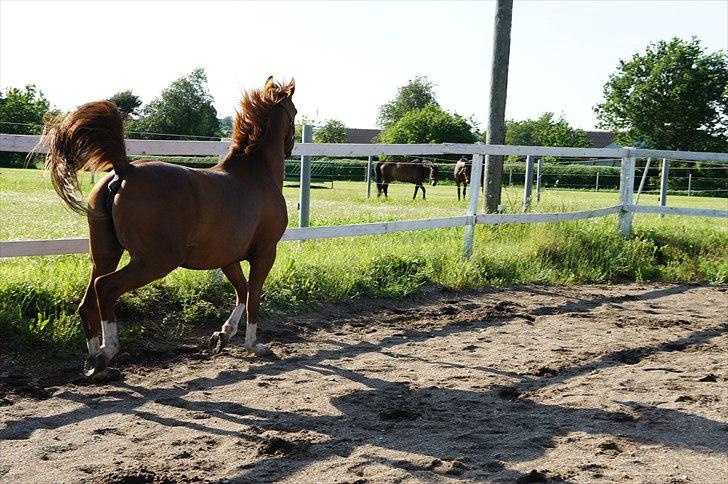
[415, 95]
[429, 125]
[127, 102]
[226, 126]
[333, 131]
[544, 131]
[184, 108]
[300, 122]
[673, 97]
[22, 110]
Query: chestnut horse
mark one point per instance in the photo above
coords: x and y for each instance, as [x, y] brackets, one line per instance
[463, 168]
[413, 172]
[462, 174]
[168, 216]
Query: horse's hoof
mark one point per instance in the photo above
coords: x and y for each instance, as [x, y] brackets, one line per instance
[259, 350]
[95, 365]
[106, 376]
[218, 341]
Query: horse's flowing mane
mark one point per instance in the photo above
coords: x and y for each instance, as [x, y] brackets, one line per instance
[250, 123]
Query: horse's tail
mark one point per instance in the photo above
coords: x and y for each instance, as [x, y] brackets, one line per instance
[378, 175]
[90, 138]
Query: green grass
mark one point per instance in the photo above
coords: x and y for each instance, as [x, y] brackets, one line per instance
[38, 295]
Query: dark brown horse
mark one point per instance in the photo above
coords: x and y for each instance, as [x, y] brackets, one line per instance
[168, 216]
[414, 172]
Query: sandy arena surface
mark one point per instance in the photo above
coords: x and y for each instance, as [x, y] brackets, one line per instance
[621, 383]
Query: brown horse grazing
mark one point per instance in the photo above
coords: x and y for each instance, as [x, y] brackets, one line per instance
[169, 216]
[413, 172]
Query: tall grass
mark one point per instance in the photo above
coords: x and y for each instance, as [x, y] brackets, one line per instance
[39, 295]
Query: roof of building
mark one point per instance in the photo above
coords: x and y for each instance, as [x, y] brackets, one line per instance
[599, 139]
[356, 135]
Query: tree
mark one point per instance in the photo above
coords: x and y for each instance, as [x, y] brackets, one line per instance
[429, 125]
[544, 131]
[673, 97]
[226, 126]
[416, 94]
[300, 121]
[333, 131]
[184, 108]
[22, 110]
[127, 102]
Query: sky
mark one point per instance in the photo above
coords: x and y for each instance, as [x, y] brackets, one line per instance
[348, 58]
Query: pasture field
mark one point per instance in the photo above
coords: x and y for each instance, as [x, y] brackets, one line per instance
[38, 295]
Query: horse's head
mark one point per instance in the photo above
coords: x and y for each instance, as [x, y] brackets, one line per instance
[251, 128]
[283, 96]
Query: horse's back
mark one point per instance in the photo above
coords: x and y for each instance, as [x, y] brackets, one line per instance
[197, 218]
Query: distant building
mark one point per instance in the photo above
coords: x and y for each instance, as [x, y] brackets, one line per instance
[601, 139]
[361, 136]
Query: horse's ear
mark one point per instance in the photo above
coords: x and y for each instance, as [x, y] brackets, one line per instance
[291, 87]
[269, 84]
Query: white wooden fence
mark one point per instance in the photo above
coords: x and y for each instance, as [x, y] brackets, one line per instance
[626, 207]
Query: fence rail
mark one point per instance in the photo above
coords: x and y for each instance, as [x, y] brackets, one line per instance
[625, 209]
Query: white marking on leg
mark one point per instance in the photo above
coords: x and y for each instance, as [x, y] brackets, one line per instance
[93, 345]
[111, 342]
[231, 325]
[250, 336]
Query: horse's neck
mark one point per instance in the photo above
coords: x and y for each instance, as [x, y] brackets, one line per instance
[276, 164]
[273, 149]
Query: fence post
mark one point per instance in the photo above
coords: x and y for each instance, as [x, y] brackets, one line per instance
[642, 182]
[476, 172]
[597, 188]
[626, 191]
[690, 183]
[663, 183]
[369, 176]
[528, 183]
[510, 177]
[538, 180]
[304, 198]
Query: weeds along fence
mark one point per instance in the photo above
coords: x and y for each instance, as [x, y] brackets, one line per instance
[625, 209]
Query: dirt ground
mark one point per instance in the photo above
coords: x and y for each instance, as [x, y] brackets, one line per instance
[528, 384]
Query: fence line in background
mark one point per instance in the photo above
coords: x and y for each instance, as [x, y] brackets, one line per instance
[625, 209]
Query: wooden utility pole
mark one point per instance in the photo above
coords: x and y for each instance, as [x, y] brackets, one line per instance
[496, 132]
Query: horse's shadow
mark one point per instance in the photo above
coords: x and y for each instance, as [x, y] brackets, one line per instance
[441, 424]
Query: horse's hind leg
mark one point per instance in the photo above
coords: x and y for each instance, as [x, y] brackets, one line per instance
[458, 185]
[105, 254]
[108, 290]
[415, 195]
[260, 267]
[234, 273]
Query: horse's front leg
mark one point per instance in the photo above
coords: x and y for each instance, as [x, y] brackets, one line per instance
[423, 191]
[417, 187]
[234, 274]
[260, 267]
